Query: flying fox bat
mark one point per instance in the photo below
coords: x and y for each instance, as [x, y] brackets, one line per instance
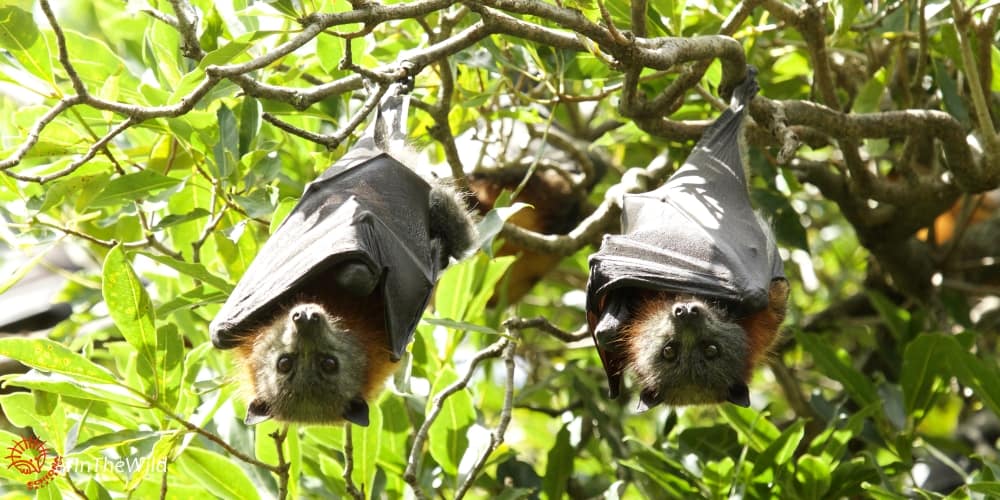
[690, 296]
[332, 299]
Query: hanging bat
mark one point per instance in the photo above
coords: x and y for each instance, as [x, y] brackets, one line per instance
[690, 296]
[329, 304]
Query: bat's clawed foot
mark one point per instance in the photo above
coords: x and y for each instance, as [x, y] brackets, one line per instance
[356, 278]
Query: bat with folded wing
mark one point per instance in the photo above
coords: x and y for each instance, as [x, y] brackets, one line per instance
[690, 296]
[327, 307]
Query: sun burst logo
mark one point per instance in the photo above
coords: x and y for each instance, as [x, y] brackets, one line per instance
[29, 456]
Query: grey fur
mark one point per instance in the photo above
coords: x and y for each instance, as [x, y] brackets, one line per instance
[699, 374]
[450, 222]
[306, 393]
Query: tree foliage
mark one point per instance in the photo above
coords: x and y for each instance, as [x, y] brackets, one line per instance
[164, 140]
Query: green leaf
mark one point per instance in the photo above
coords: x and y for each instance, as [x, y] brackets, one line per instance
[781, 451]
[858, 386]
[249, 124]
[447, 437]
[193, 269]
[558, 465]
[812, 476]
[709, 443]
[896, 318]
[923, 363]
[845, 12]
[19, 34]
[118, 438]
[131, 187]
[979, 374]
[284, 208]
[476, 277]
[224, 54]
[220, 475]
[877, 492]
[226, 151]
[175, 219]
[58, 383]
[49, 356]
[870, 96]
[995, 63]
[169, 358]
[193, 298]
[953, 102]
[9, 472]
[24, 269]
[132, 311]
[989, 488]
[156, 461]
[753, 425]
[393, 451]
[81, 188]
[266, 451]
[663, 470]
[365, 441]
[485, 287]
[492, 223]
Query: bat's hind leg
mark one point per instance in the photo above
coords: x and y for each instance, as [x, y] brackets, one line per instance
[450, 222]
[356, 278]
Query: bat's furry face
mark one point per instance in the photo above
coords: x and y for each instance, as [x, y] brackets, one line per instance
[306, 367]
[686, 351]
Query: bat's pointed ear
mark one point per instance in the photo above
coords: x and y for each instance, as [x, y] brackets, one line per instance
[614, 386]
[257, 412]
[357, 412]
[647, 399]
[739, 394]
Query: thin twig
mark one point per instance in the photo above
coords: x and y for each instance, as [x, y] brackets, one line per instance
[496, 437]
[283, 467]
[352, 489]
[332, 141]
[963, 21]
[163, 481]
[543, 324]
[616, 35]
[420, 438]
[219, 441]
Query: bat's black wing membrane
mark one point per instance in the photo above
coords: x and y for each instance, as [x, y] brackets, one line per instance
[697, 234]
[368, 207]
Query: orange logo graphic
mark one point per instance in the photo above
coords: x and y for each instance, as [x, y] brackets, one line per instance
[29, 456]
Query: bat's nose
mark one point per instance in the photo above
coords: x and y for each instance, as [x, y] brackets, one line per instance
[688, 312]
[306, 315]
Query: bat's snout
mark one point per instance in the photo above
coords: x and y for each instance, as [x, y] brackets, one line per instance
[306, 317]
[688, 312]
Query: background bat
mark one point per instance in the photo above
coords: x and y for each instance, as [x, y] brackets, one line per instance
[329, 304]
[541, 171]
[690, 296]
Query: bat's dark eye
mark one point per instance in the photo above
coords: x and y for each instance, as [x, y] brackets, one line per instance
[711, 351]
[329, 364]
[285, 363]
[670, 352]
